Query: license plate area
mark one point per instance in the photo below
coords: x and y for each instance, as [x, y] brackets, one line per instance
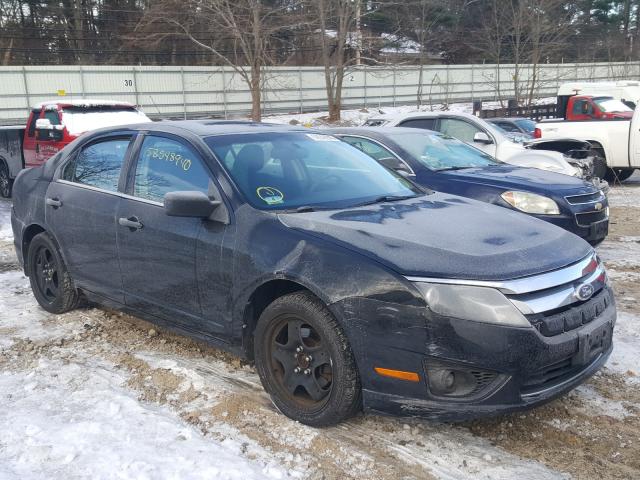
[592, 343]
[600, 229]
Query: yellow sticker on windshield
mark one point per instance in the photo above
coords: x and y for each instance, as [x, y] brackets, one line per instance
[270, 195]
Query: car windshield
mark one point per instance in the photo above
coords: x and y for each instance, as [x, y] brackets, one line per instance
[610, 104]
[440, 152]
[526, 124]
[293, 170]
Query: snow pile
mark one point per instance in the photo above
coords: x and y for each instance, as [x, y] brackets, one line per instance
[78, 122]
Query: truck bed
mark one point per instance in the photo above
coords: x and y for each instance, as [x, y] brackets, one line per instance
[11, 148]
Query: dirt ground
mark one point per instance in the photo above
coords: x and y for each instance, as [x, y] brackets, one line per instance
[593, 432]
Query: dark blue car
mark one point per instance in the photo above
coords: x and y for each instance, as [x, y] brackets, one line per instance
[349, 286]
[447, 165]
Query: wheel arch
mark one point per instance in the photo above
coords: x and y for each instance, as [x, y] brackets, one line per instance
[28, 235]
[260, 298]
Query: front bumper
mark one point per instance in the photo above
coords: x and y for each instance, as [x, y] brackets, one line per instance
[524, 366]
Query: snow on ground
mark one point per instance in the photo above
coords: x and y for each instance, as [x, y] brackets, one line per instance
[5, 223]
[356, 117]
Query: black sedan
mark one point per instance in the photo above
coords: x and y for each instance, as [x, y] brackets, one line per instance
[348, 285]
[438, 161]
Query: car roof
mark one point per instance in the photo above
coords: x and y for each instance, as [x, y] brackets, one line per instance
[376, 132]
[206, 128]
[507, 119]
[419, 114]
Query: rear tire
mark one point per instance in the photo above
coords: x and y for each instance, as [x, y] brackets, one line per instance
[50, 280]
[305, 362]
[618, 174]
[5, 181]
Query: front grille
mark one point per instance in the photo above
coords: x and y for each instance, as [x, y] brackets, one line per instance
[587, 198]
[555, 322]
[549, 375]
[586, 219]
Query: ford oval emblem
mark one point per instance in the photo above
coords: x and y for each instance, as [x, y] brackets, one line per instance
[583, 292]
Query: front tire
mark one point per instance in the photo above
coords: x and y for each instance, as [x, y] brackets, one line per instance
[50, 280]
[305, 362]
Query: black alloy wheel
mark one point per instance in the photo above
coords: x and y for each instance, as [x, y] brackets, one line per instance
[305, 361]
[46, 274]
[301, 363]
[50, 281]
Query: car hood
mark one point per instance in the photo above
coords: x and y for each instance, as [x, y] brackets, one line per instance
[517, 154]
[446, 236]
[519, 178]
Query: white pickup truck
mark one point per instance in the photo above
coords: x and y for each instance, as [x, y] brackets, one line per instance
[617, 142]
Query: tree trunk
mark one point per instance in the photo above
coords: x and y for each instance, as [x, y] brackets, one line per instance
[256, 99]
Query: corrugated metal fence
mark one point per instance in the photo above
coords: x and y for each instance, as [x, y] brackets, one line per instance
[192, 92]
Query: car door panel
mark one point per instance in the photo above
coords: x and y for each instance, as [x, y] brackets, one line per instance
[158, 267]
[159, 258]
[80, 211]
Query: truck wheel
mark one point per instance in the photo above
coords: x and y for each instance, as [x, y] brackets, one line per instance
[50, 280]
[618, 174]
[599, 163]
[5, 181]
[305, 362]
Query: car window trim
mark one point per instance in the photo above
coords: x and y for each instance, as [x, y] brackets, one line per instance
[202, 153]
[379, 144]
[109, 192]
[122, 134]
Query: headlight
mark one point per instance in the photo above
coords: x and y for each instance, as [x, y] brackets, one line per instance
[531, 203]
[479, 304]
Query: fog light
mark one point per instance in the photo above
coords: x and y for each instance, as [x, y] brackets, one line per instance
[454, 383]
[451, 380]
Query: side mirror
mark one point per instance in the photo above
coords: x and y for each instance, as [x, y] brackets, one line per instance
[43, 124]
[482, 137]
[189, 204]
[396, 165]
[47, 131]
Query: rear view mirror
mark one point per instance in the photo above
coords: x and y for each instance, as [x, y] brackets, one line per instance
[189, 204]
[396, 165]
[482, 137]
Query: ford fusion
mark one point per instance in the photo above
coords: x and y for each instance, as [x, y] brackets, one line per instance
[448, 165]
[349, 286]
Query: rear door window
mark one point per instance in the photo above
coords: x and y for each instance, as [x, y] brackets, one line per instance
[425, 123]
[99, 164]
[459, 129]
[372, 149]
[166, 165]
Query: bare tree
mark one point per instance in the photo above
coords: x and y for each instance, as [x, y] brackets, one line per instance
[238, 33]
[336, 23]
[523, 33]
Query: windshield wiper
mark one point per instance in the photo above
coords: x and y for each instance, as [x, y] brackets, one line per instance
[386, 198]
[448, 169]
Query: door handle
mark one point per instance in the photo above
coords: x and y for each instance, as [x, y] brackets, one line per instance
[132, 223]
[53, 202]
